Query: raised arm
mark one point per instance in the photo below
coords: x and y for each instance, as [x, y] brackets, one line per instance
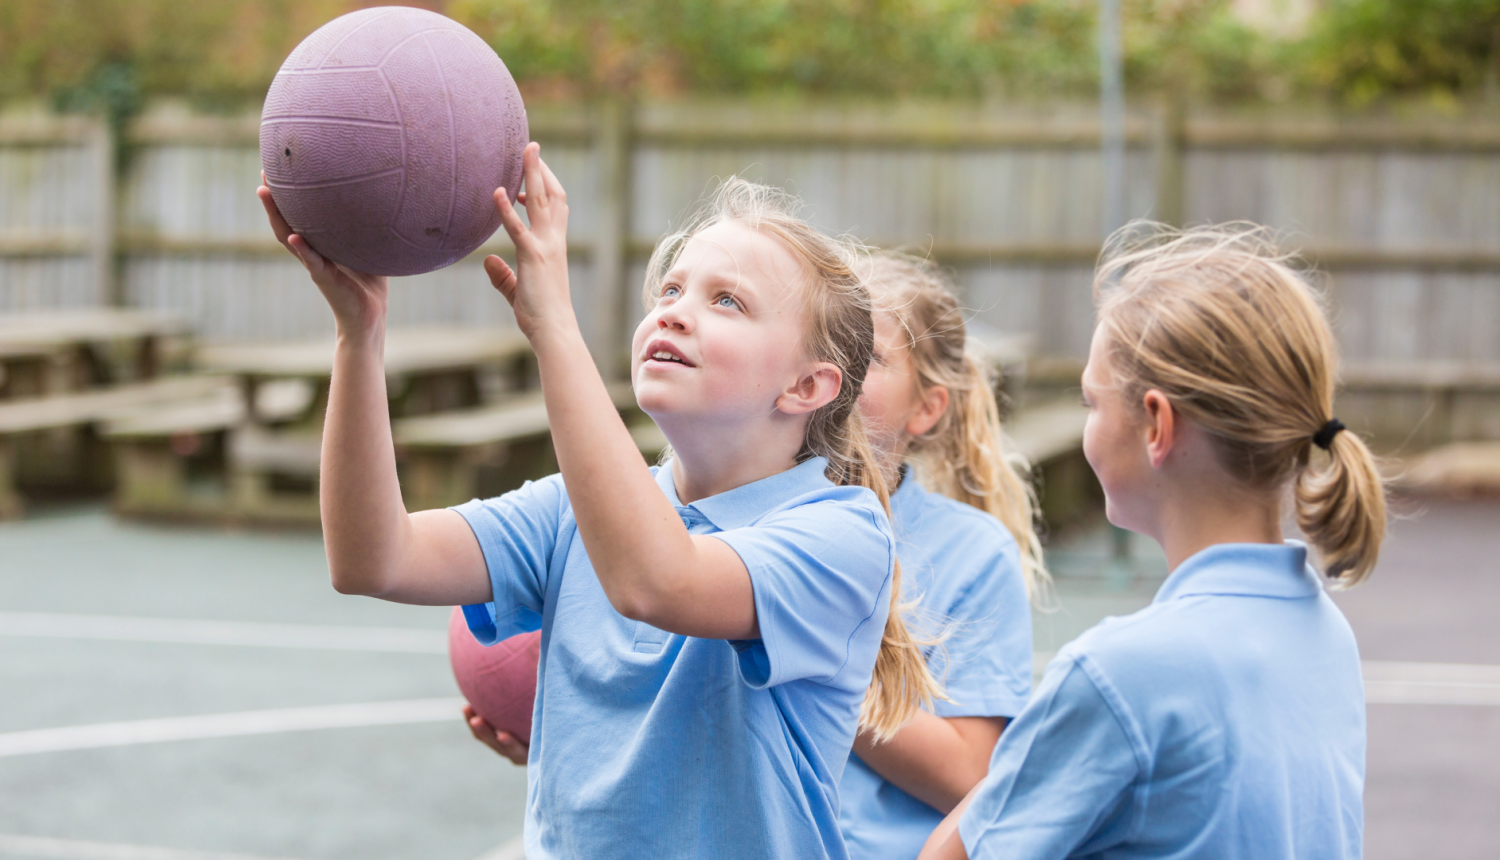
[650, 567]
[374, 547]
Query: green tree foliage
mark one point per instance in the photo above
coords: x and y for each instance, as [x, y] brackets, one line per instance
[1363, 50]
[110, 55]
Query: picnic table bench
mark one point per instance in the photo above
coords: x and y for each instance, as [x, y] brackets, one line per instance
[451, 457]
[428, 369]
[56, 351]
[178, 460]
[29, 424]
[253, 455]
[1007, 354]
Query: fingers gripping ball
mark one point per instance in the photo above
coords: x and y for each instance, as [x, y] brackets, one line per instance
[498, 680]
[384, 137]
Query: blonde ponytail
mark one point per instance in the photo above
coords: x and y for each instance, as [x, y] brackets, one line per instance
[965, 455]
[901, 682]
[1216, 319]
[841, 331]
[1341, 509]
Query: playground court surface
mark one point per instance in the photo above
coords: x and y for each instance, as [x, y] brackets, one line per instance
[185, 694]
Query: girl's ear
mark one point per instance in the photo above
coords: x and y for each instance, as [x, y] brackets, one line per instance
[815, 389]
[934, 404]
[1160, 426]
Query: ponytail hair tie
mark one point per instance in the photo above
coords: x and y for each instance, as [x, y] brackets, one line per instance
[1324, 437]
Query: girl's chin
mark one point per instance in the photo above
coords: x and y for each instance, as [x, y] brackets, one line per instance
[654, 401]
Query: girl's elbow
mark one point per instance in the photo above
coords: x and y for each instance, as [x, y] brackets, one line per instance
[633, 605]
[640, 601]
[354, 581]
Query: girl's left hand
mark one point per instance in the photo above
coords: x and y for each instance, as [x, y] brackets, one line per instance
[504, 743]
[537, 288]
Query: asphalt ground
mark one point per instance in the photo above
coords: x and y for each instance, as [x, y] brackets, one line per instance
[299, 723]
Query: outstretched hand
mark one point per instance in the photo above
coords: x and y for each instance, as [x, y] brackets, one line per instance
[358, 299]
[504, 743]
[537, 288]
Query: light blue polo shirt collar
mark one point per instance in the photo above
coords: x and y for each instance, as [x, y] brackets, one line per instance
[743, 505]
[908, 491]
[1244, 569]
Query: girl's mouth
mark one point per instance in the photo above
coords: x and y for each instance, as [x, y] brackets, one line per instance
[666, 353]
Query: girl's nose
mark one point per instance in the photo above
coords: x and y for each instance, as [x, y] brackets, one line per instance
[674, 319]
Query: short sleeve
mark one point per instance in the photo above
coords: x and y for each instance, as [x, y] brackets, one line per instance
[1062, 778]
[985, 662]
[821, 574]
[518, 533]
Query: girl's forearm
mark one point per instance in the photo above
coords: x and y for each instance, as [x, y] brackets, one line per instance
[934, 759]
[364, 520]
[651, 569]
[622, 515]
[944, 843]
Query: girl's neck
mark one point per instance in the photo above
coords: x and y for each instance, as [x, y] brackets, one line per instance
[707, 461]
[1190, 523]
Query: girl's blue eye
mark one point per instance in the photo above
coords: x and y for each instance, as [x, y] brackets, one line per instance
[727, 302]
[669, 293]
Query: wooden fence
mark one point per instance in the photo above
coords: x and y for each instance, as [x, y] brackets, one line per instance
[1402, 216]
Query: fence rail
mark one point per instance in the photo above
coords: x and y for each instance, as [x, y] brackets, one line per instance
[1402, 215]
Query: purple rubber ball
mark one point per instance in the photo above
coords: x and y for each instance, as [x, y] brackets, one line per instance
[385, 135]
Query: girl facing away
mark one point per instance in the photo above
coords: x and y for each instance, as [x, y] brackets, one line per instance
[969, 557]
[1227, 719]
[713, 630]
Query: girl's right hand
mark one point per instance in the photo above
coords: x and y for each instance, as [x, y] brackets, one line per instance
[358, 300]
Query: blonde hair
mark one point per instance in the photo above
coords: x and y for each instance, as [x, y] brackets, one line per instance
[964, 456]
[841, 331]
[1217, 320]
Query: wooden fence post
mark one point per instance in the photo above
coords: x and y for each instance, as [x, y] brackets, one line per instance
[612, 150]
[1169, 141]
[102, 240]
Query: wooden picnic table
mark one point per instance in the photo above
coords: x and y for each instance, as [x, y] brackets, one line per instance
[1007, 353]
[264, 440]
[428, 369]
[57, 351]
[29, 426]
[450, 457]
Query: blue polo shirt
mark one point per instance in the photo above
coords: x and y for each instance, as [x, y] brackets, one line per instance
[650, 744]
[1225, 720]
[963, 568]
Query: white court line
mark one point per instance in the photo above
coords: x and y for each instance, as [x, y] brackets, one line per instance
[125, 628]
[231, 725]
[515, 849]
[1406, 683]
[74, 849]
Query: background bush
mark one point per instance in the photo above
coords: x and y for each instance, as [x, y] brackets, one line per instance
[112, 54]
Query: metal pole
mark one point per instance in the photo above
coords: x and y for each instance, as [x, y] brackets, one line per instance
[1112, 115]
[107, 286]
[1112, 158]
[606, 334]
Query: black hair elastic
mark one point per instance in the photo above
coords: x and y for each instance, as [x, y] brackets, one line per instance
[1324, 438]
